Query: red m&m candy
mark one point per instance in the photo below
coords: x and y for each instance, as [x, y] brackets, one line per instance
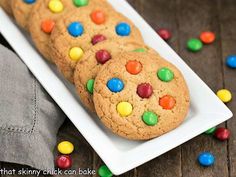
[64, 162]
[144, 90]
[164, 33]
[98, 38]
[222, 134]
[103, 56]
[98, 17]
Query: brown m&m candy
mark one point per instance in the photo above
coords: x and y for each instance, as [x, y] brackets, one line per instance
[98, 38]
[144, 90]
[103, 56]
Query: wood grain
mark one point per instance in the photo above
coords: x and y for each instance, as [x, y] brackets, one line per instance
[228, 40]
[194, 17]
[83, 154]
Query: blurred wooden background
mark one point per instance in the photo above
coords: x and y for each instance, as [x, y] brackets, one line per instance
[185, 19]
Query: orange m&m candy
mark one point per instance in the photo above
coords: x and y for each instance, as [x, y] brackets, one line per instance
[207, 37]
[167, 102]
[134, 67]
[47, 26]
[98, 17]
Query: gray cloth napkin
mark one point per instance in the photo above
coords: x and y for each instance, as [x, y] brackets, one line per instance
[29, 118]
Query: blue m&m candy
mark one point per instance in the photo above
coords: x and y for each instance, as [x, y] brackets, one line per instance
[29, 1]
[231, 61]
[75, 29]
[115, 85]
[123, 29]
[206, 159]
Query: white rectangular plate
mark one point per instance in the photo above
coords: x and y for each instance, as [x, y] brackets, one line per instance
[119, 154]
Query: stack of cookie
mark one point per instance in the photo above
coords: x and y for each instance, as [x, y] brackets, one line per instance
[136, 93]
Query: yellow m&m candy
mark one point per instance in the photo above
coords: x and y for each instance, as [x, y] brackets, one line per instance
[76, 53]
[65, 147]
[55, 6]
[224, 95]
[124, 109]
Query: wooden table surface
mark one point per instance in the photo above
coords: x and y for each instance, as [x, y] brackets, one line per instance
[185, 19]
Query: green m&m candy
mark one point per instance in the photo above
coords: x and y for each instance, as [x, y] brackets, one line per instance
[104, 171]
[80, 3]
[141, 50]
[165, 74]
[210, 131]
[194, 45]
[90, 85]
[150, 118]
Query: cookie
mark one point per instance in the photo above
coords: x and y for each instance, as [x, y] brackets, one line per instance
[45, 15]
[21, 11]
[140, 96]
[67, 48]
[6, 5]
[91, 63]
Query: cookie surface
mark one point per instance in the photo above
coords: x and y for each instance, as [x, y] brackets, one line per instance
[140, 96]
[21, 11]
[62, 41]
[6, 5]
[44, 17]
[91, 63]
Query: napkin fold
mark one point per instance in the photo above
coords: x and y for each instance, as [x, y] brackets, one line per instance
[29, 118]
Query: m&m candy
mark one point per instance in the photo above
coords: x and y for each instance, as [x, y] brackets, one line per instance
[123, 29]
[98, 17]
[124, 109]
[75, 29]
[98, 38]
[224, 95]
[231, 61]
[167, 102]
[194, 45]
[206, 159]
[165, 74]
[64, 162]
[210, 131]
[140, 50]
[164, 34]
[65, 147]
[115, 85]
[104, 171]
[76, 53]
[80, 3]
[207, 37]
[103, 56]
[133, 67]
[47, 26]
[150, 118]
[222, 134]
[55, 6]
[90, 85]
[29, 1]
[144, 90]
